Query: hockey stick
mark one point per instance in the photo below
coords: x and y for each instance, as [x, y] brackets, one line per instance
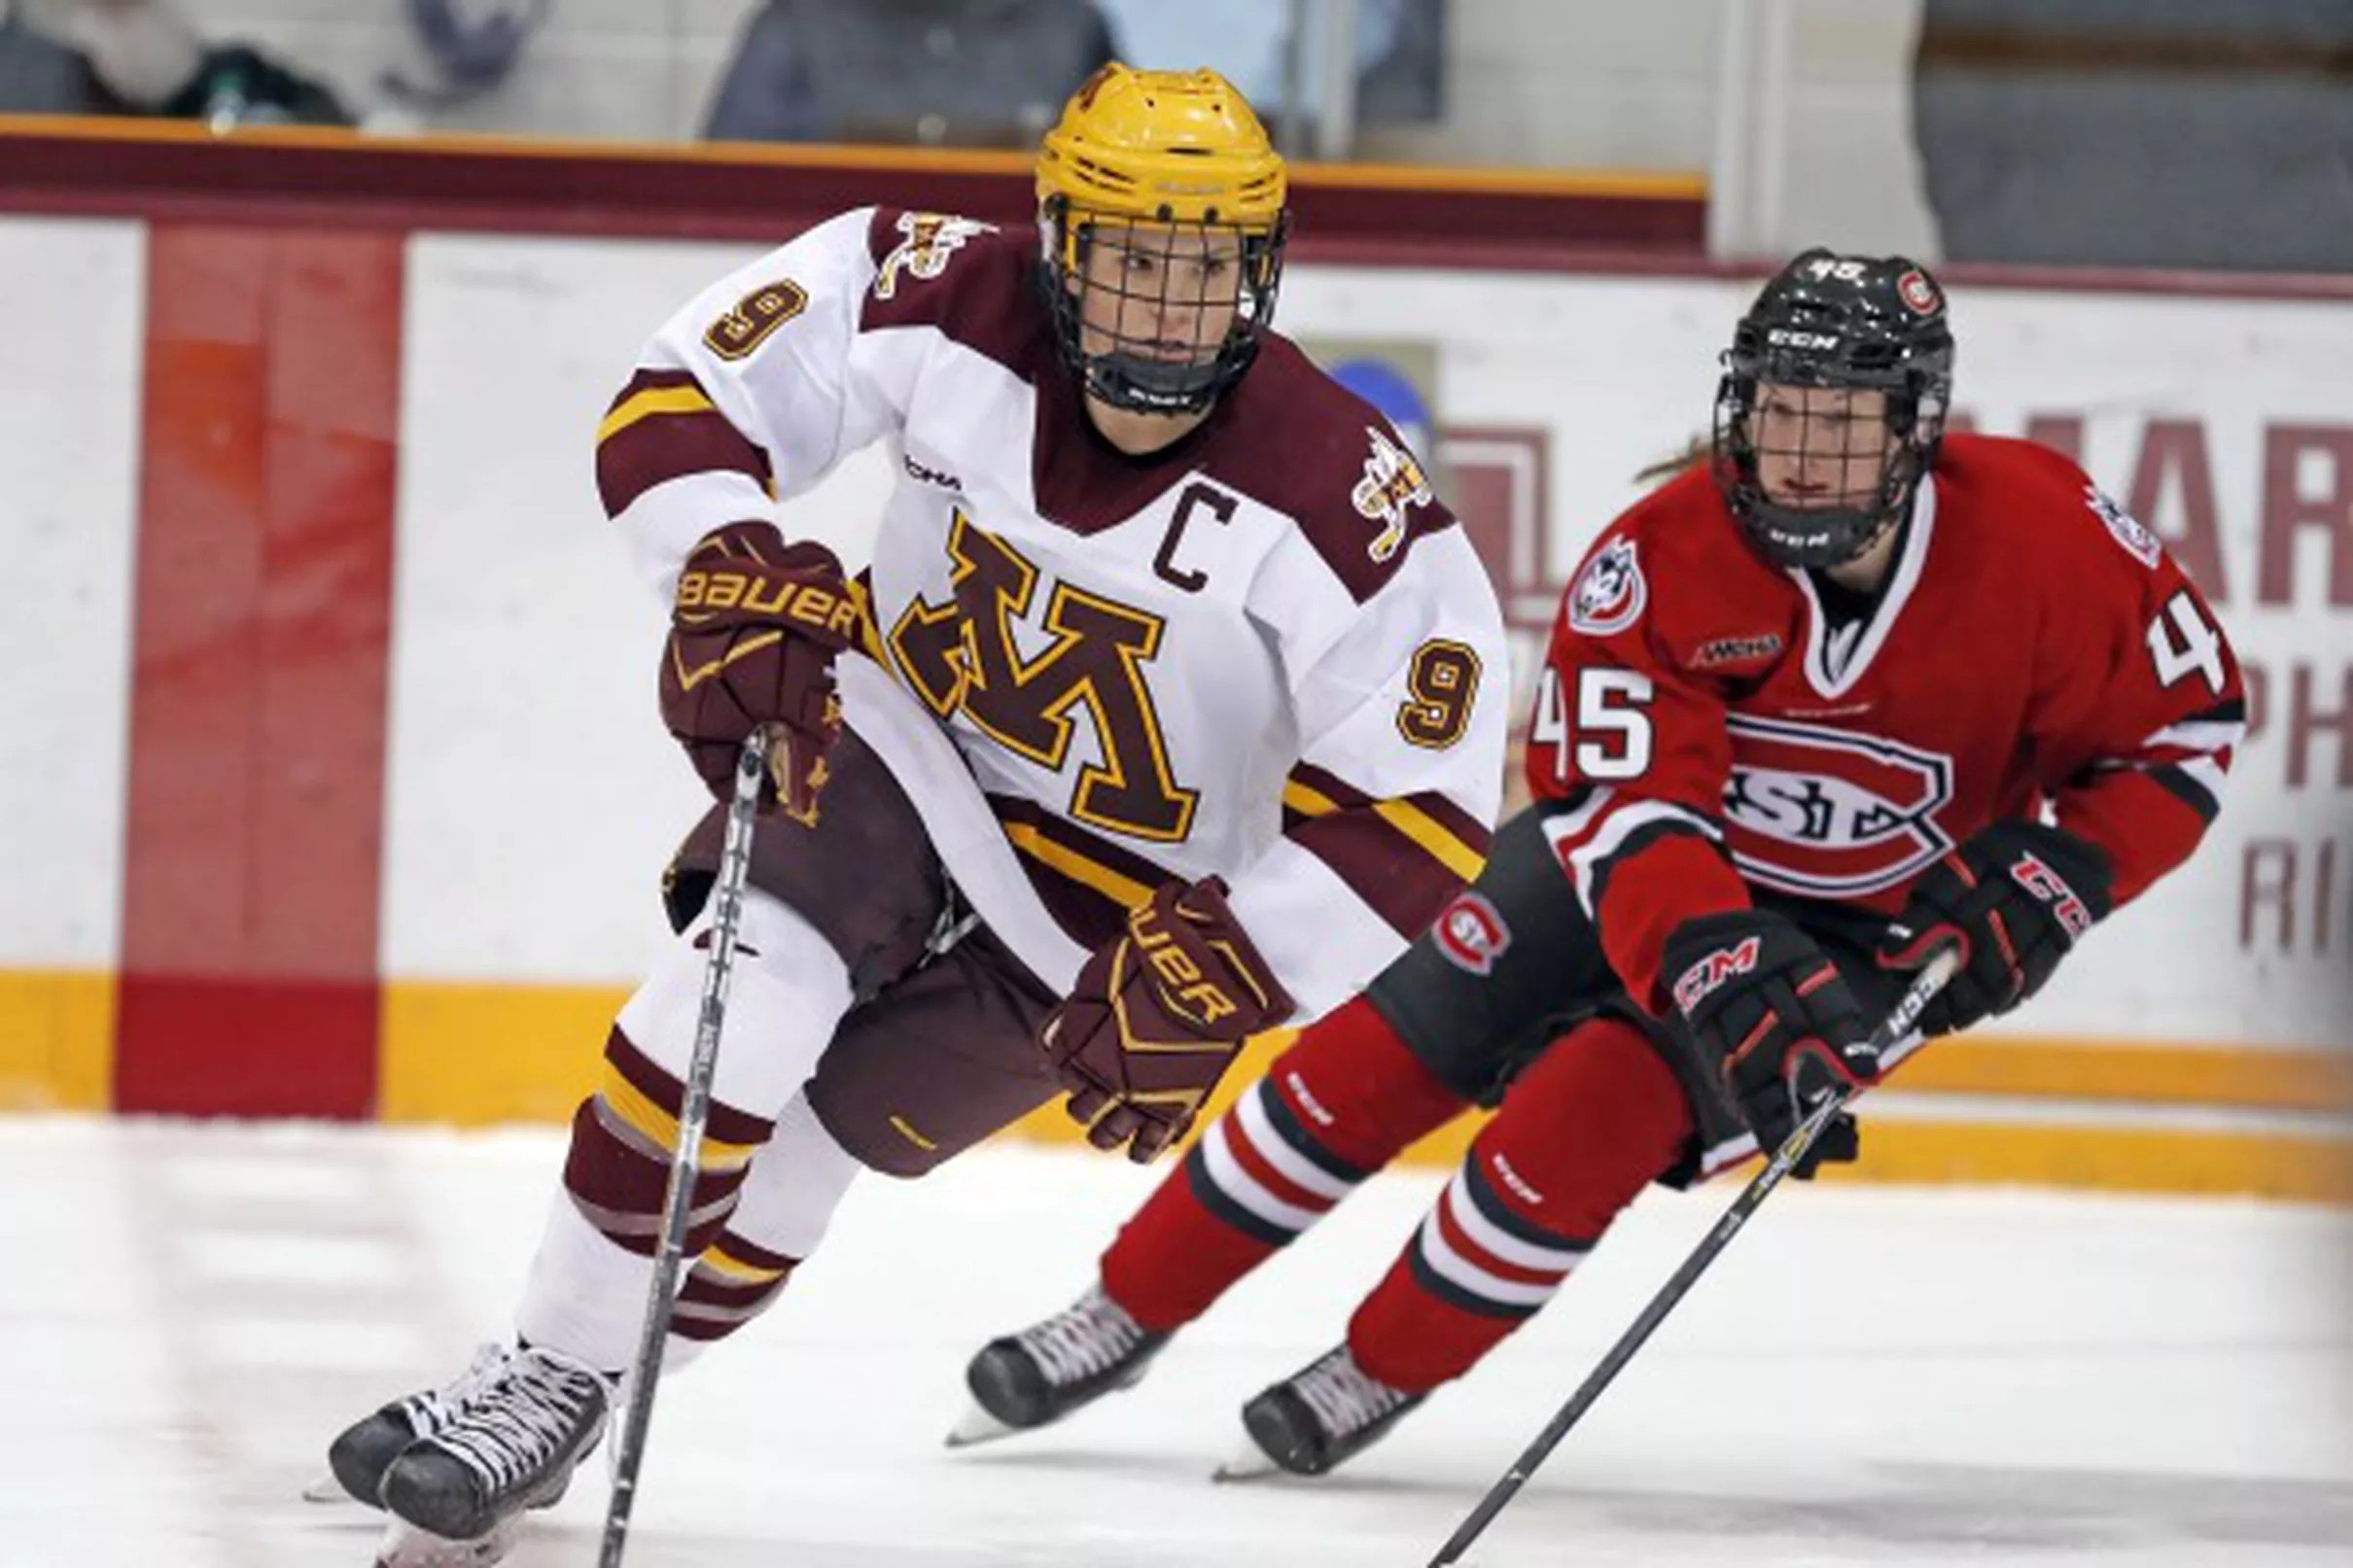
[1892, 1029]
[685, 1163]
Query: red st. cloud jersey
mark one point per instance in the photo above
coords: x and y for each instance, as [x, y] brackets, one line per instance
[2035, 650]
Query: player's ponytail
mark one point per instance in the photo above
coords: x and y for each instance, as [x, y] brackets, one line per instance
[1692, 453]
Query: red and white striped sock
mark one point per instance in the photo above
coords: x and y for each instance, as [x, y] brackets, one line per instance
[1597, 1117]
[1334, 1108]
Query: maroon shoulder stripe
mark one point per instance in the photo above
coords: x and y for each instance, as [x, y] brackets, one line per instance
[671, 445]
[649, 380]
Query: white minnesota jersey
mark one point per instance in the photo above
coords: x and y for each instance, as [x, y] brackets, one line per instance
[1265, 653]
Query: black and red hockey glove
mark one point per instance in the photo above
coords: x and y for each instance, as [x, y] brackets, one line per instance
[1157, 1016]
[753, 635]
[2017, 896]
[1771, 1017]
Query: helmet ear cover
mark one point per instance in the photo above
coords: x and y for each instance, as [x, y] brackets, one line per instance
[1844, 324]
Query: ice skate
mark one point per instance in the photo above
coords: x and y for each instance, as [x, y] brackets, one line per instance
[1053, 1367]
[1318, 1417]
[364, 1451]
[513, 1445]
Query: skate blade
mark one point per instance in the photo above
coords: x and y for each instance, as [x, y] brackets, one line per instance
[1250, 1464]
[978, 1426]
[328, 1489]
[404, 1545]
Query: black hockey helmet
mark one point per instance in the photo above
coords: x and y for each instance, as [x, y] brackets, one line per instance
[1846, 323]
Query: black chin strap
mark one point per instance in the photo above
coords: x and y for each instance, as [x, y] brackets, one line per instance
[1164, 386]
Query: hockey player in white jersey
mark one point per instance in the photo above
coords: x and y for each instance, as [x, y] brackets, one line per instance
[1171, 707]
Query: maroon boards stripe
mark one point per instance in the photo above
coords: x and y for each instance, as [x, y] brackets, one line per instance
[262, 623]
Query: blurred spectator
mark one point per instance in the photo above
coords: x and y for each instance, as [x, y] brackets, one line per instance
[145, 53]
[2139, 132]
[959, 72]
[474, 49]
[146, 58]
[38, 74]
[1398, 45]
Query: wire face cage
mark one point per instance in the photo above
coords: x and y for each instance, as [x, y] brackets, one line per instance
[1159, 316]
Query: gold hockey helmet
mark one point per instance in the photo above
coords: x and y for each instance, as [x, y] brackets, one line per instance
[1174, 169]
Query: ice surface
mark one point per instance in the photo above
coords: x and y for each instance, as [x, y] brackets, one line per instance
[1867, 1377]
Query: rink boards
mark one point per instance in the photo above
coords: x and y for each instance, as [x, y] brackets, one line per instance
[333, 787]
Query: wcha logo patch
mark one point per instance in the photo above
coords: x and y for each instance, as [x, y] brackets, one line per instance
[1718, 651]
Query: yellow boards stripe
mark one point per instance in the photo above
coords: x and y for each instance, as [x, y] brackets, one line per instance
[2295, 1080]
[56, 1040]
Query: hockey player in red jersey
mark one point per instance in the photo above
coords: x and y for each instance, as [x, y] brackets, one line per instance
[1163, 715]
[1847, 688]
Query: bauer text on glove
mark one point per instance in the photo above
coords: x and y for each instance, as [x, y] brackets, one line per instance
[753, 635]
[1156, 1017]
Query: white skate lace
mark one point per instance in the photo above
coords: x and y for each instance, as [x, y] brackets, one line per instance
[1082, 1340]
[1344, 1396]
[521, 1421]
[432, 1411]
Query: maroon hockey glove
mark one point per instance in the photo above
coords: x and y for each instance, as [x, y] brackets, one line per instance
[2017, 896]
[1156, 1018]
[1769, 1016]
[753, 637]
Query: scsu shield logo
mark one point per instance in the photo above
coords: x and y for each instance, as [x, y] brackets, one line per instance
[1609, 593]
[1471, 933]
[1919, 294]
[1831, 814]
